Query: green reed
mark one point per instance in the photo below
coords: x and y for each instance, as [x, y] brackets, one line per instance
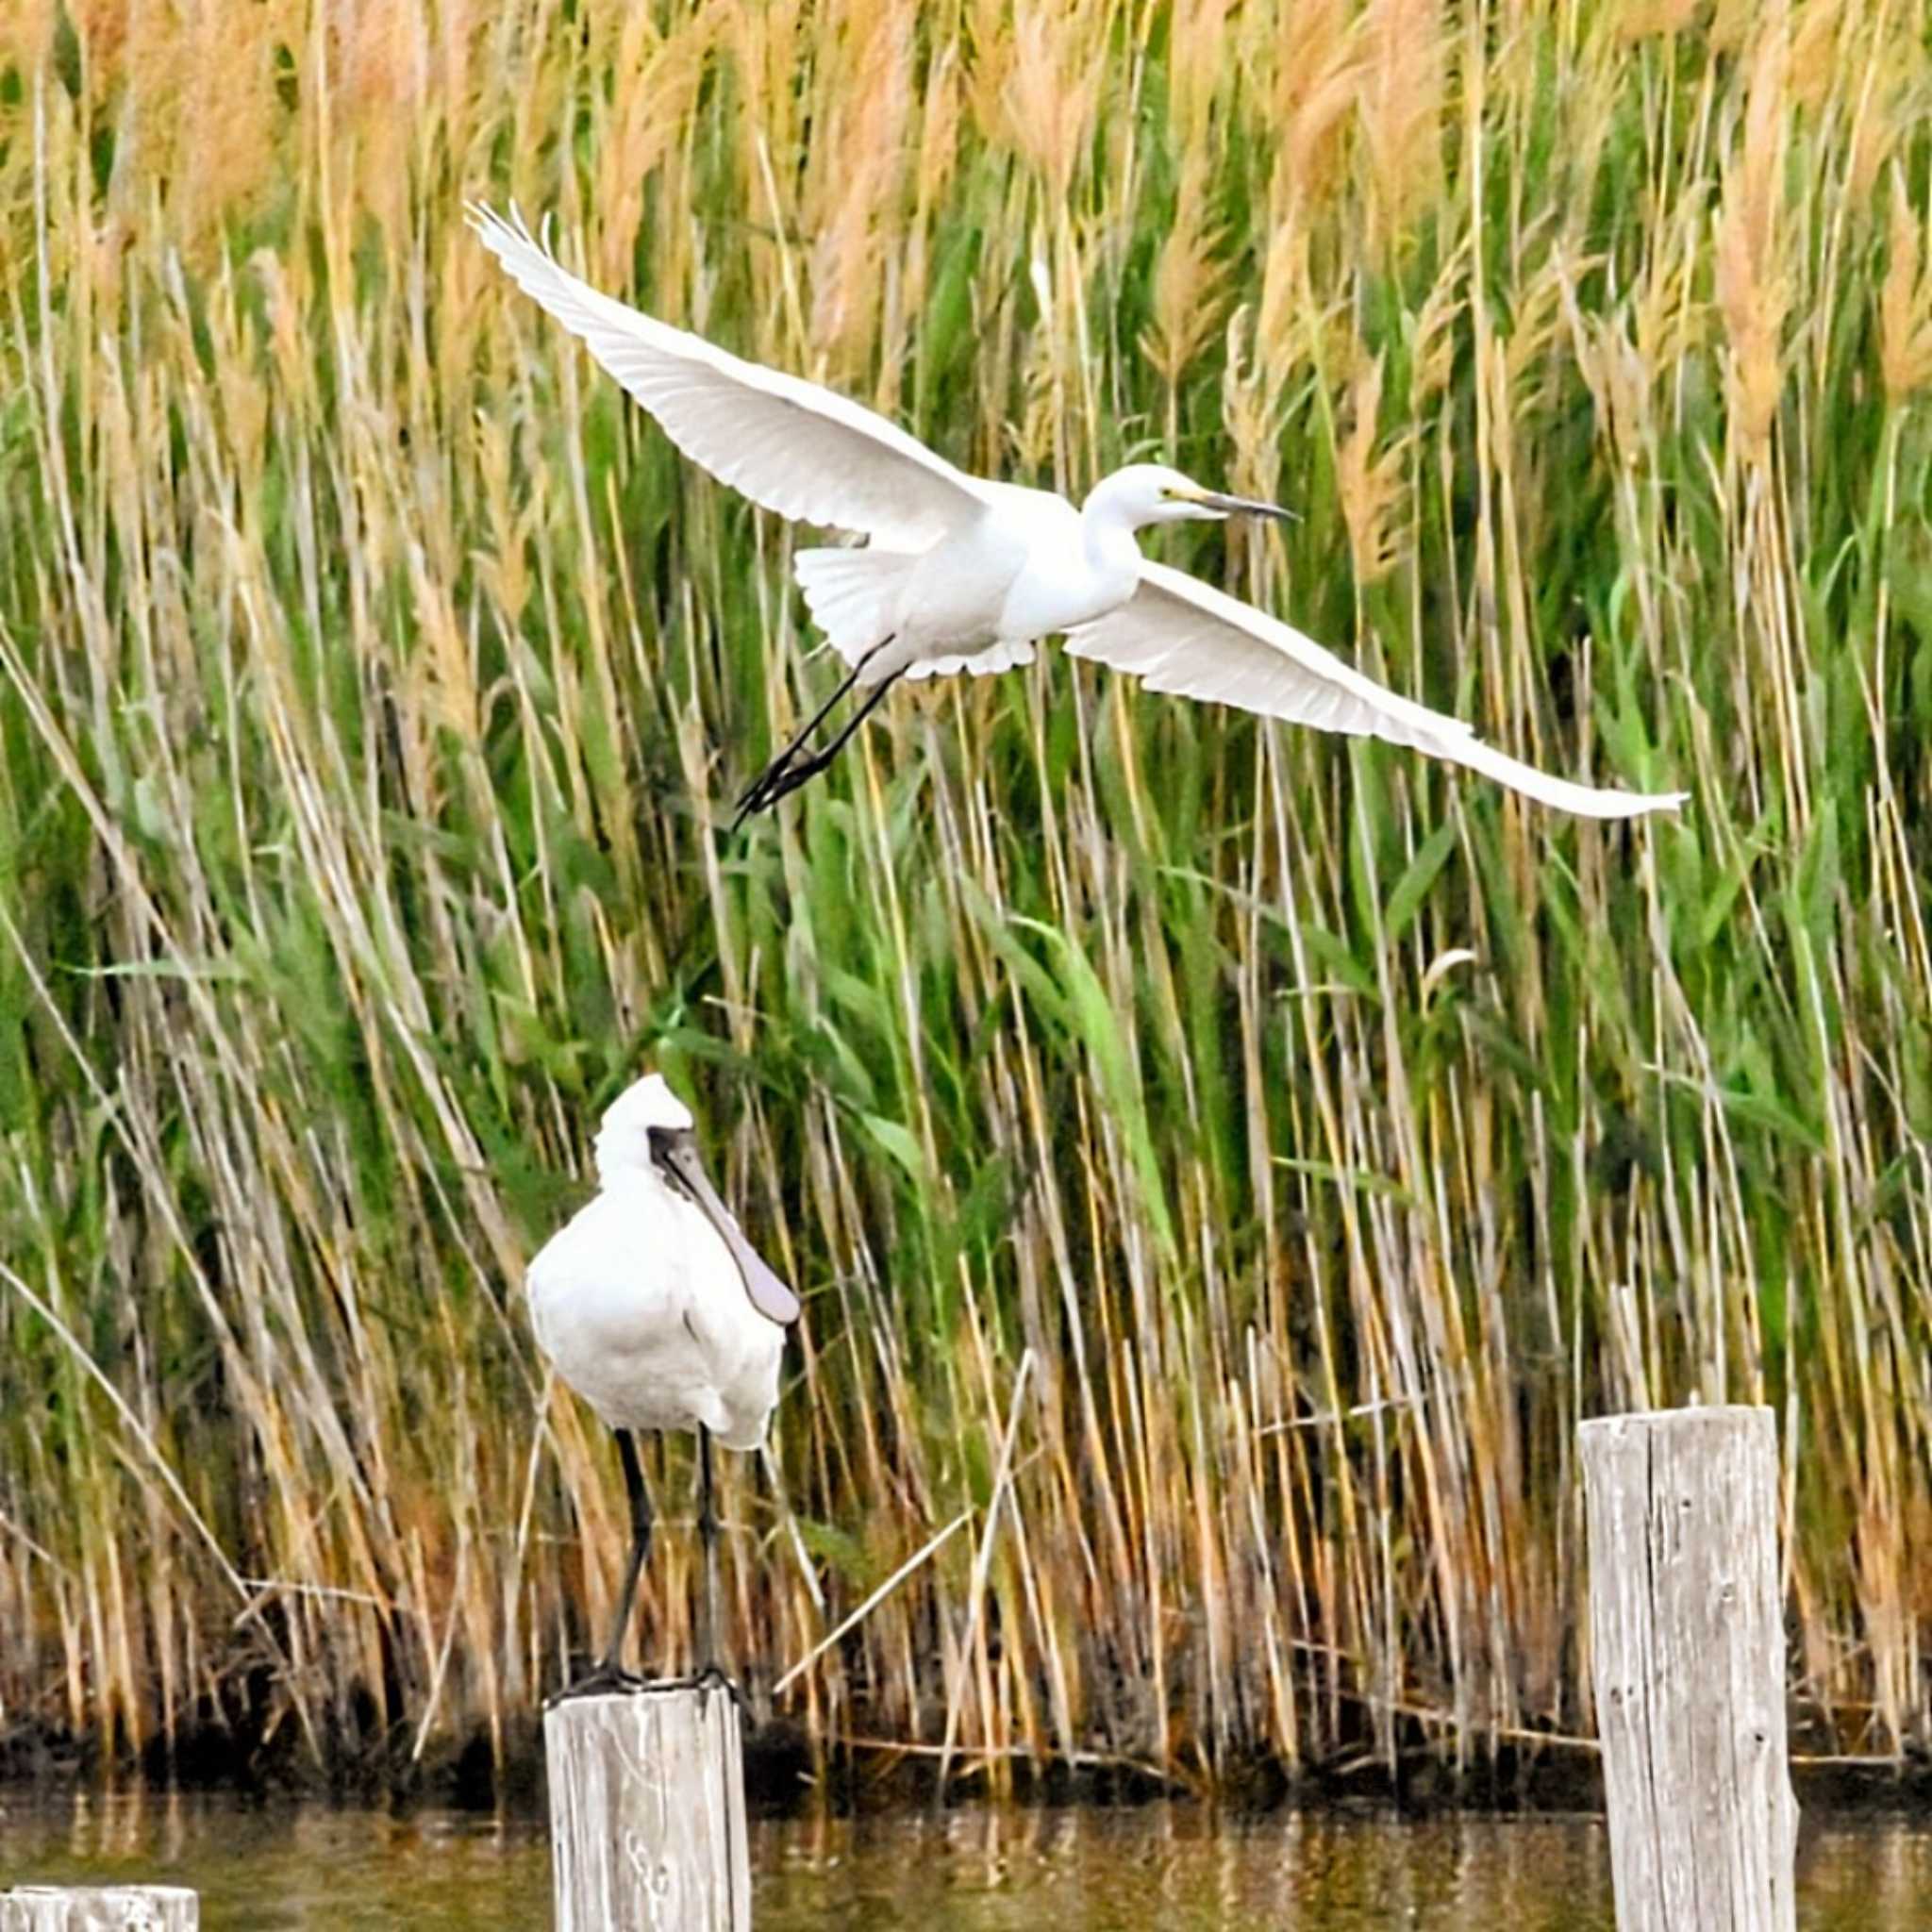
[1222, 1165]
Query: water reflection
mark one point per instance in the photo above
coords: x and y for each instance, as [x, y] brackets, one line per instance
[1179, 1866]
[980, 1869]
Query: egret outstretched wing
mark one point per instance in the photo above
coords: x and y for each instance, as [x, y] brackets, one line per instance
[789, 445]
[1184, 637]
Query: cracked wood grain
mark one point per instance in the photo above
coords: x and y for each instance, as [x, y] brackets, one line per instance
[647, 1828]
[1687, 1634]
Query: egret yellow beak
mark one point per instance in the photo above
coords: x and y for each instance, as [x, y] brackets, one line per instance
[1241, 506]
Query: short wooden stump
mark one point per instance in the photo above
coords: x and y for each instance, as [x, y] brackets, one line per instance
[647, 1811]
[100, 1909]
[1688, 1642]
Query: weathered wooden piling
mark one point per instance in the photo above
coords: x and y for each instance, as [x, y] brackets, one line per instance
[1686, 1629]
[100, 1909]
[647, 1811]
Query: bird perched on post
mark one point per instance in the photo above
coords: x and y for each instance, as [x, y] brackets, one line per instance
[656, 1310]
[962, 573]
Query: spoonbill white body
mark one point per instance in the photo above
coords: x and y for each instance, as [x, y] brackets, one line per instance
[962, 573]
[655, 1309]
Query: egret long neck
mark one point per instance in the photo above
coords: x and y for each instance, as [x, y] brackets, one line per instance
[1108, 541]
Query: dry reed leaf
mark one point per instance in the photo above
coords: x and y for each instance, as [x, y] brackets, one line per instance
[1399, 93]
[1753, 290]
[1905, 301]
[655, 80]
[1038, 82]
[1640, 19]
[1670, 321]
[1199, 72]
[381, 73]
[1890, 83]
[852, 209]
[1190, 278]
[1369, 485]
[1433, 351]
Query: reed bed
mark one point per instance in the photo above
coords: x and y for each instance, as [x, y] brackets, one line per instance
[1222, 1165]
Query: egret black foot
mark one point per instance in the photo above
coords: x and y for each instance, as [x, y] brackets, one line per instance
[779, 780]
[606, 1680]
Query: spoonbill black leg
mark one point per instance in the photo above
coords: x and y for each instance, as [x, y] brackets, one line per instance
[711, 1674]
[640, 1546]
[708, 1537]
[609, 1675]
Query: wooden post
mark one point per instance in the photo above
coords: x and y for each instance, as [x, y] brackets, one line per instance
[100, 1909]
[1686, 1629]
[647, 1812]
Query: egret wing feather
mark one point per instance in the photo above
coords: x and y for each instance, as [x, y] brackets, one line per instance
[850, 593]
[795, 447]
[1184, 637]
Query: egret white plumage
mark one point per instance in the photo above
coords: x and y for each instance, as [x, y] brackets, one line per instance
[657, 1311]
[962, 573]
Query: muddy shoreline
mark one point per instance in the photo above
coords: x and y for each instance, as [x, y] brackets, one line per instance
[784, 1773]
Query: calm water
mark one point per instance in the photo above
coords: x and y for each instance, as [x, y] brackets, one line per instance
[969, 1871]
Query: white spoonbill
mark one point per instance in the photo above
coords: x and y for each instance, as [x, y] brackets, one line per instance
[655, 1309]
[960, 573]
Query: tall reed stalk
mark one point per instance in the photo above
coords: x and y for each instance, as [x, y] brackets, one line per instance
[1223, 1164]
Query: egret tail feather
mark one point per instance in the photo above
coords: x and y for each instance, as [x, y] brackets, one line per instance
[850, 595]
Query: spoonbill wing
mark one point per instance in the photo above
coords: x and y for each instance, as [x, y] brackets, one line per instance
[1184, 637]
[786, 443]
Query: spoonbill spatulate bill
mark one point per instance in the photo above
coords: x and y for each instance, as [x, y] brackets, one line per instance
[962, 573]
[657, 1310]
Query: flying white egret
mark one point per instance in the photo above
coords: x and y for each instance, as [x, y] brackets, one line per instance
[960, 573]
[655, 1309]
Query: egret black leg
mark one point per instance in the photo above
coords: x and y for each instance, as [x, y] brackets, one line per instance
[771, 784]
[796, 774]
[755, 791]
